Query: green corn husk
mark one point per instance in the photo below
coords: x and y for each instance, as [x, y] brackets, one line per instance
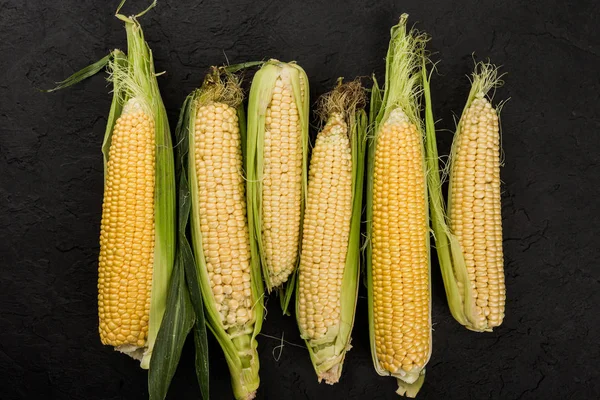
[135, 84]
[402, 90]
[450, 255]
[239, 342]
[328, 352]
[260, 97]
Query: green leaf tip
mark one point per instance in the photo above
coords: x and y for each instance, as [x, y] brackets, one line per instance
[85, 72]
[133, 17]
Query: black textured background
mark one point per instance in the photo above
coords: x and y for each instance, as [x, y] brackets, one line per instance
[51, 187]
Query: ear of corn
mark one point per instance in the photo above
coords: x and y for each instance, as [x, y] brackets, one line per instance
[137, 232]
[230, 282]
[277, 156]
[329, 262]
[397, 221]
[138, 212]
[137, 238]
[469, 239]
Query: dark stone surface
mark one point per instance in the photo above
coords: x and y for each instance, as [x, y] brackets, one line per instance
[51, 188]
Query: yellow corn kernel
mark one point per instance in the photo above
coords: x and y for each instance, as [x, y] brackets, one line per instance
[474, 211]
[127, 231]
[400, 266]
[326, 230]
[218, 159]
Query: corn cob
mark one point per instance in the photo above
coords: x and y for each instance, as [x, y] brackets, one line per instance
[230, 282]
[142, 311]
[329, 263]
[138, 214]
[127, 231]
[277, 161]
[469, 240]
[397, 215]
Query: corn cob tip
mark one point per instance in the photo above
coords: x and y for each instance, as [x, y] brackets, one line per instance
[485, 77]
[133, 105]
[405, 57]
[398, 116]
[345, 99]
[221, 86]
